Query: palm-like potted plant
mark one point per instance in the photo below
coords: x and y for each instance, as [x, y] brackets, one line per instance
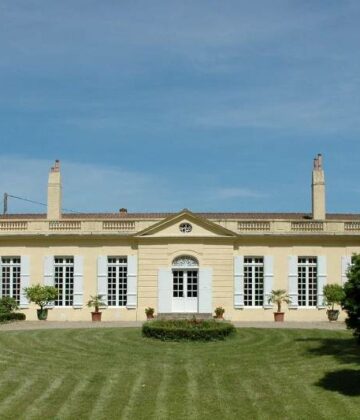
[219, 312]
[149, 313]
[41, 296]
[333, 294]
[278, 297]
[95, 302]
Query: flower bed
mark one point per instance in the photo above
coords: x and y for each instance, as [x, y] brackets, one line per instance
[183, 329]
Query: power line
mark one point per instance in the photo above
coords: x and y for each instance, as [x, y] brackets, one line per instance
[6, 195]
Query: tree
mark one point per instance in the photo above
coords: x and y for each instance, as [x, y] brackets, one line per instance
[351, 301]
[41, 295]
[334, 295]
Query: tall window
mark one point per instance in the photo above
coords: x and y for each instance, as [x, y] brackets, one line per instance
[307, 281]
[10, 279]
[117, 281]
[64, 280]
[253, 281]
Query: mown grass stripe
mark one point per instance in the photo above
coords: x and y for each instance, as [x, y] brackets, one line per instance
[116, 373]
[37, 408]
[136, 388]
[161, 406]
[108, 388]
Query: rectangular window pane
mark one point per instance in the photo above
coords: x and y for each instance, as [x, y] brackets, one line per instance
[307, 281]
[117, 281]
[192, 283]
[11, 277]
[64, 280]
[178, 283]
[253, 281]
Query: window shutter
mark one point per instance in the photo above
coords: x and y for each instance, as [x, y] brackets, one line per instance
[78, 298]
[24, 280]
[345, 264]
[205, 290]
[49, 274]
[239, 282]
[164, 290]
[102, 277]
[293, 281]
[131, 301]
[321, 281]
[268, 280]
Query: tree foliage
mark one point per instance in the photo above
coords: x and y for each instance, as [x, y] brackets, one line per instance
[278, 297]
[41, 295]
[334, 295]
[351, 301]
[8, 305]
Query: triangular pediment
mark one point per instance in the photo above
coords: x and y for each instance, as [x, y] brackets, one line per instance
[178, 226]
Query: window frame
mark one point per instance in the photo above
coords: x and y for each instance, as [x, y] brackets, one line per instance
[254, 279]
[307, 265]
[11, 266]
[64, 265]
[117, 265]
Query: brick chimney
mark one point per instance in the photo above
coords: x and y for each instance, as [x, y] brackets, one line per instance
[318, 190]
[54, 193]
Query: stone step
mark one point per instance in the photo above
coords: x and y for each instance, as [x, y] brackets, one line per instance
[184, 315]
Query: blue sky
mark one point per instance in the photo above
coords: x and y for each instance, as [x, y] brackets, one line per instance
[162, 105]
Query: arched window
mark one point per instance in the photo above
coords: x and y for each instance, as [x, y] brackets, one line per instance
[185, 261]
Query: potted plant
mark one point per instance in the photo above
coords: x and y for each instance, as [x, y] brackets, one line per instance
[278, 297]
[219, 312]
[333, 295]
[41, 296]
[149, 313]
[95, 302]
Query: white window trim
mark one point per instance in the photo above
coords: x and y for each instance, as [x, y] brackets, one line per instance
[307, 265]
[64, 264]
[253, 280]
[117, 265]
[11, 264]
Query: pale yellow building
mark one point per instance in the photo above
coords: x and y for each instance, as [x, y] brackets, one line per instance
[178, 262]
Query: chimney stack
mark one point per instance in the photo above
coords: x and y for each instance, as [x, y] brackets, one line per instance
[54, 193]
[318, 190]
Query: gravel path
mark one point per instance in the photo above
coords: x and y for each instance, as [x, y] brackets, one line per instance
[45, 325]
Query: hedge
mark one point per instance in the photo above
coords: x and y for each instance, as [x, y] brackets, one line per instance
[194, 330]
[12, 316]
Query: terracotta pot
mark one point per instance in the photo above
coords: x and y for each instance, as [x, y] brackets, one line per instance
[149, 317]
[333, 314]
[278, 316]
[96, 316]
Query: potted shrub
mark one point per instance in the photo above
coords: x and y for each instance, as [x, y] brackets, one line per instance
[149, 313]
[41, 296]
[219, 312]
[278, 297]
[95, 302]
[333, 295]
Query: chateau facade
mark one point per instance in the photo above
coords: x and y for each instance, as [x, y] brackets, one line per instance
[178, 262]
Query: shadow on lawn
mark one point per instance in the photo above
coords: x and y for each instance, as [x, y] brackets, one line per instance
[344, 350]
[345, 381]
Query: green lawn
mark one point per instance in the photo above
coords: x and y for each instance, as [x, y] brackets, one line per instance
[115, 373]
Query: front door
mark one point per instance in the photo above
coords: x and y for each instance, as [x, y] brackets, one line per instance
[185, 290]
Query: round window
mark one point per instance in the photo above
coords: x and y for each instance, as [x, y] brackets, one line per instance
[185, 227]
